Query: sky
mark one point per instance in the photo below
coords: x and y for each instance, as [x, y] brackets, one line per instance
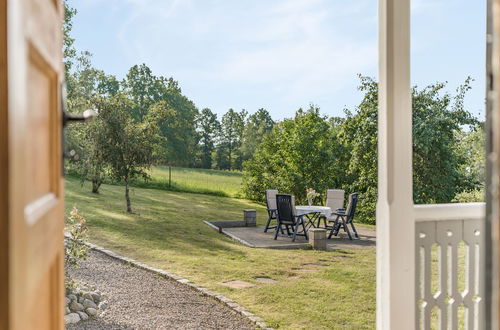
[280, 55]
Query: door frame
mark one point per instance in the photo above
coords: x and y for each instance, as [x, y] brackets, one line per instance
[4, 171]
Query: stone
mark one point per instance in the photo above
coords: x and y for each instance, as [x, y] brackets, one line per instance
[103, 305]
[80, 299]
[88, 296]
[91, 311]
[72, 297]
[66, 301]
[71, 318]
[302, 270]
[96, 297]
[87, 303]
[265, 280]
[67, 311]
[250, 218]
[83, 316]
[76, 306]
[237, 284]
[317, 238]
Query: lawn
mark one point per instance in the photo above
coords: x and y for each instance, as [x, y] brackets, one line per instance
[196, 180]
[314, 289]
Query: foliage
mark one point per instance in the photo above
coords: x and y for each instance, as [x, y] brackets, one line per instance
[322, 153]
[74, 248]
[127, 147]
[208, 126]
[84, 85]
[358, 133]
[256, 126]
[295, 155]
[437, 119]
[69, 51]
[470, 196]
[143, 88]
[231, 134]
[175, 113]
[471, 145]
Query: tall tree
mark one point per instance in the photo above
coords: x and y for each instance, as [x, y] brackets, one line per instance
[231, 134]
[208, 126]
[143, 88]
[69, 51]
[128, 146]
[296, 154]
[437, 118]
[256, 126]
[85, 83]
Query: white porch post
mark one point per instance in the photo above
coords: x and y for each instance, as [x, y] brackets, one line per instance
[395, 214]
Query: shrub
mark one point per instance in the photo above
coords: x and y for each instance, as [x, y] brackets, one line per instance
[472, 196]
[74, 247]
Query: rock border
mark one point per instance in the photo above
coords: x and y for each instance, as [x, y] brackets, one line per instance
[254, 319]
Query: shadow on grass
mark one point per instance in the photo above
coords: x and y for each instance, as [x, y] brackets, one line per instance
[161, 220]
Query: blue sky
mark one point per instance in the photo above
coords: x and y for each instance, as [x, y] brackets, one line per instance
[280, 55]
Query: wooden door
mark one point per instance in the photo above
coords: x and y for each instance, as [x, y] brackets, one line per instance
[31, 184]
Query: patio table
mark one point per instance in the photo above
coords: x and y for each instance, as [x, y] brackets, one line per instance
[312, 213]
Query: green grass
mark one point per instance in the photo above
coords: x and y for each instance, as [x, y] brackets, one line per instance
[166, 231]
[195, 180]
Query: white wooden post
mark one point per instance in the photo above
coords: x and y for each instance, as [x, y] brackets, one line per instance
[395, 214]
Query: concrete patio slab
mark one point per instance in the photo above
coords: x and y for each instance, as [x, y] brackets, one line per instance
[237, 284]
[256, 238]
[265, 280]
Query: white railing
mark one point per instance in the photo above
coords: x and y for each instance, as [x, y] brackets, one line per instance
[449, 266]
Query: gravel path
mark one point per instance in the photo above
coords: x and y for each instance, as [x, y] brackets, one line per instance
[139, 299]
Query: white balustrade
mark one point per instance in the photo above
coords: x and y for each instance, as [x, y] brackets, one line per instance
[449, 266]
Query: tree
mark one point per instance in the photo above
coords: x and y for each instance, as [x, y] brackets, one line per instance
[312, 151]
[295, 155]
[231, 133]
[256, 126]
[471, 145]
[143, 88]
[437, 118]
[208, 126]
[86, 83]
[69, 51]
[177, 128]
[128, 146]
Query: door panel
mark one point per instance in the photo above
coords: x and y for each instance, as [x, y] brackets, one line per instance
[31, 175]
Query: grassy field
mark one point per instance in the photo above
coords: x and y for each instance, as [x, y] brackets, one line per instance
[314, 289]
[195, 180]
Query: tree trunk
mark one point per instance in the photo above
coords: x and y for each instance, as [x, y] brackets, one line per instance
[127, 197]
[95, 186]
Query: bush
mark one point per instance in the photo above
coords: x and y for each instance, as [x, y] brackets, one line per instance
[74, 247]
[472, 196]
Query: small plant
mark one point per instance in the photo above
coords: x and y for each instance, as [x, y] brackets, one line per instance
[74, 248]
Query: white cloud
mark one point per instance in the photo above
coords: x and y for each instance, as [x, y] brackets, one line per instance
[288, 46]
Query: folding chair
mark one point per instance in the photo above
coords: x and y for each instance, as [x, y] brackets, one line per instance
[287, 217]
[271, 208]
[335, 201]
[343, 218]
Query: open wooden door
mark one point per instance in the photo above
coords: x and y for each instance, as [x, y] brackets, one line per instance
[31, 184]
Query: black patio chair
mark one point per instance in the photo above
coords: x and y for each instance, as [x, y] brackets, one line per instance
[272, 210]
[287, 217]
[343, 218]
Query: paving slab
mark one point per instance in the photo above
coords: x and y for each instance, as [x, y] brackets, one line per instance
[237, 284]
[265, 280]
[255, 237]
